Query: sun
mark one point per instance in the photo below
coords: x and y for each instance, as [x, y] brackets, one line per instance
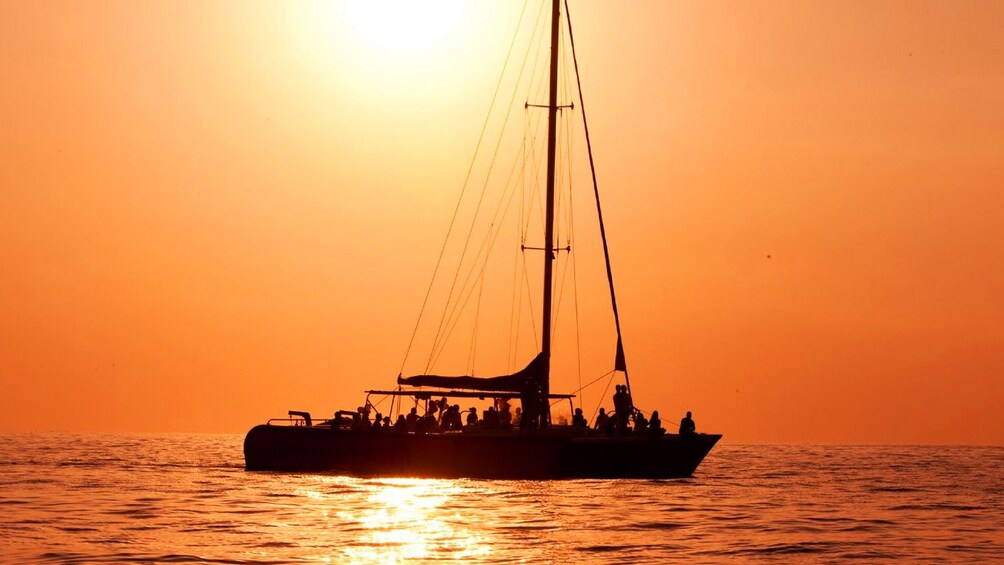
[372, 51]
[402, 27]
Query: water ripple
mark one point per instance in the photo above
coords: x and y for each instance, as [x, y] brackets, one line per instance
[186, 499]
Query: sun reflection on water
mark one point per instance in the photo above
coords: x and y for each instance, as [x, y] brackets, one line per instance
[400, 520]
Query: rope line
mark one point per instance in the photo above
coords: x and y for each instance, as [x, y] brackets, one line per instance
[604, 395]
[463, 253]
[463, 189]
[453, 317]
[587, 385]
[599, 211]
[488, 244]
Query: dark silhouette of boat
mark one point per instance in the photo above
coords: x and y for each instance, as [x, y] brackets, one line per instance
[549, 454]
[533, 447]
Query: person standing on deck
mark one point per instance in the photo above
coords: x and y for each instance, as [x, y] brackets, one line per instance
[529, 397]
[622, 408]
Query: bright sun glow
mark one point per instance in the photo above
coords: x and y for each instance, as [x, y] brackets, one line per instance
[404, 26]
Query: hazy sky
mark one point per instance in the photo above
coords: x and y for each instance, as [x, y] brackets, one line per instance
[213, 212]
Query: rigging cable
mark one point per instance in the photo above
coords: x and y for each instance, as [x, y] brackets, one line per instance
[563, 169]
[604, 395]
[477, 318]
[587, 385]
[574, 262]
[463, 188]
[491, 166]
[619, 360]
[487, 246]
[520, 241]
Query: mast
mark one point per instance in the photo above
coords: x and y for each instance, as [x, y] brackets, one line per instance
[552, 112]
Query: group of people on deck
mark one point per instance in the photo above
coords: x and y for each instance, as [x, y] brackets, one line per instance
[624, 411]
[440, 416]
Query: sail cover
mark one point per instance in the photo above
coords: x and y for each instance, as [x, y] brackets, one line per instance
[516, 382]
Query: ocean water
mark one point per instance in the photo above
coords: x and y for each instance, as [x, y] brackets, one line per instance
[75, 498]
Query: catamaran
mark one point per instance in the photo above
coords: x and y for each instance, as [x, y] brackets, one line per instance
[531, 446]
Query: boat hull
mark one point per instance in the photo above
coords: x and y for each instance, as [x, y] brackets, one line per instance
[545, 455]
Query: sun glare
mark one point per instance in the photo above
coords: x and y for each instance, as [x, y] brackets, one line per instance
[405, 520]
[400, 27]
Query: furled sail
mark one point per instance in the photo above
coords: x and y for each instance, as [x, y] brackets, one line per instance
[535, 372]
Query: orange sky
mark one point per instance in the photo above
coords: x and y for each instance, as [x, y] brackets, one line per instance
[211, 213]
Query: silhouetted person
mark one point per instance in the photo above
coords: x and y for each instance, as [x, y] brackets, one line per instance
[640, 423]
[412, 419]
[401, 425]
[446, 419]
[655, 424]
[427, 424]
[543, 412]
[578, 420]
[529, 397]
[456, 421]
[491, 419]
[601, 420]
[378, 422]
[363, 422]
[622, 408]
[505, 416]
[687, 426]
[472, 416]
